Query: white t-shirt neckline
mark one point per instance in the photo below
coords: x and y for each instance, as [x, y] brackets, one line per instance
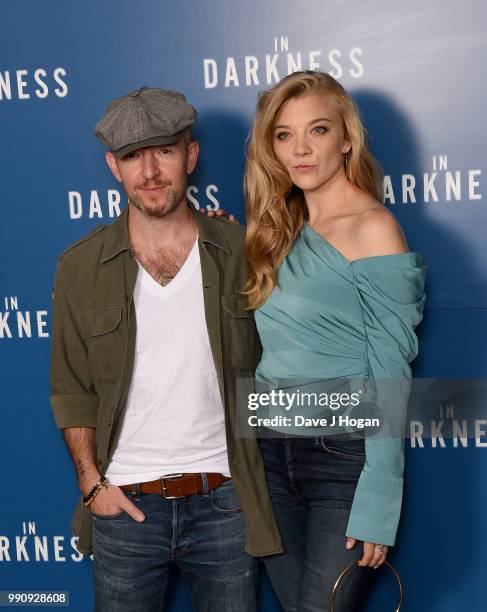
[167, 291]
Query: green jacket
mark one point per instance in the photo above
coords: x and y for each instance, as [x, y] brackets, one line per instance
[93, 346]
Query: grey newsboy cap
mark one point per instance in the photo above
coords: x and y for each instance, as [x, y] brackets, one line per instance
[144, 118]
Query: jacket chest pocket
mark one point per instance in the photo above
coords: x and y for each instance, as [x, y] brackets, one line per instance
[102, 332]
[241, 342]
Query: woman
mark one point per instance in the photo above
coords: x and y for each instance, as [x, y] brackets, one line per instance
[337, 296]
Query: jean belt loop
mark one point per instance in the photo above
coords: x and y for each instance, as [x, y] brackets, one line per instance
[137, 491]
[204, 481]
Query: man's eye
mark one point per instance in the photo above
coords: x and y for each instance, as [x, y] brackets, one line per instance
[282, 136]
[131, 155]
[165, 151]
[320, 129]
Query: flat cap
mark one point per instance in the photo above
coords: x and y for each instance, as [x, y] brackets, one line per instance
[144, 118]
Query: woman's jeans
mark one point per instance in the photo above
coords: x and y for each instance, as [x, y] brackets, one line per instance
[204, 535]
[312, 482]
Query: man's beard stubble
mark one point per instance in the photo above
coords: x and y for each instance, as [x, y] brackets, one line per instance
[173, 199]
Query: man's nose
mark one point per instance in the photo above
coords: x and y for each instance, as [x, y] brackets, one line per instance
[150, 168]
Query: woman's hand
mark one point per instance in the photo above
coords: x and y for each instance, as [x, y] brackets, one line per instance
[374, 554]
[219, 213]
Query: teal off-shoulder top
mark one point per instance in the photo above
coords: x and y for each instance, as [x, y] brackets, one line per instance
[331, 318]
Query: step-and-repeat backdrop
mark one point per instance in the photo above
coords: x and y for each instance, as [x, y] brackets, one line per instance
[417, 73]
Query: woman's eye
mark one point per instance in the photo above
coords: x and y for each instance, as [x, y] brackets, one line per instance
[282, 136]
[319, 129]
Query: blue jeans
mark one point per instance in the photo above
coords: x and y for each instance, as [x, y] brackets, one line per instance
[312, 483]
[204, 535]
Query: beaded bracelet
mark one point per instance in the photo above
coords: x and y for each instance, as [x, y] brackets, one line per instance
[97, 487]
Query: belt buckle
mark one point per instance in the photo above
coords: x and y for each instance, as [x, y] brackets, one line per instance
[170, 477]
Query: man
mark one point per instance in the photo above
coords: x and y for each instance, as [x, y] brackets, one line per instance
[149, 335]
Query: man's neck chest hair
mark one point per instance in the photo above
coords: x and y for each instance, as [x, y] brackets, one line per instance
[164, 263]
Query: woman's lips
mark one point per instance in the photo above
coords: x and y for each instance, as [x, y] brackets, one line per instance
[304, 168]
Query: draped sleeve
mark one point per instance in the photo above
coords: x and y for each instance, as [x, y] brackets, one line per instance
[390, 290]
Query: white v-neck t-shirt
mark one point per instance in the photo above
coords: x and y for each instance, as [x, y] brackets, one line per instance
[174, 418]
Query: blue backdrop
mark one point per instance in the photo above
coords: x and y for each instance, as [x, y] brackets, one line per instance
[416, 71]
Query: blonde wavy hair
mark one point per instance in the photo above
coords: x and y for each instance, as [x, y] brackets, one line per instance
[275, 208]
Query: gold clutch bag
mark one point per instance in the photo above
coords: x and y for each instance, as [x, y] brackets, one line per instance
[350, 567]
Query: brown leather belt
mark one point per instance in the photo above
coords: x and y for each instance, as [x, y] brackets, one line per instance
[178, 485]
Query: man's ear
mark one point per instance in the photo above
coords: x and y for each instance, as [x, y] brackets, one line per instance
[193, 150]
[112, 164]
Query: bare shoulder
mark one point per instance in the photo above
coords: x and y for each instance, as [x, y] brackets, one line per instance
[379, 233]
